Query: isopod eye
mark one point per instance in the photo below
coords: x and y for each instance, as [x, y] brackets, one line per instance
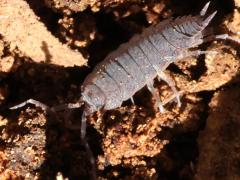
[94, 97]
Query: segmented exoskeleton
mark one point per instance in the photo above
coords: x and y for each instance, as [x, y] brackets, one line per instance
[136, 63]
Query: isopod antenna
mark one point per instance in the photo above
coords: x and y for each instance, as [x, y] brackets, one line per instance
[48, 108]
[83, 128]
[86, 145]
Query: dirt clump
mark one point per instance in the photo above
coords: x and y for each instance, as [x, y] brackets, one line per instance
[22, 29]
[219, 142]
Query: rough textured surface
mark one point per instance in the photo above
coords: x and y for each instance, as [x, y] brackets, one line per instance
[21, 28]
[224, 66]
[132, 141]
[24, 152]
[219, 143]
[6, 64]
[72, 5]
[81, 5]
[136, 135]
[237, 3]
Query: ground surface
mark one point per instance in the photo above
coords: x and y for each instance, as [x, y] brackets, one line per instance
[43, 48]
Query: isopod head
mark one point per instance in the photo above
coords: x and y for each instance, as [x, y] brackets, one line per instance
[93, 97]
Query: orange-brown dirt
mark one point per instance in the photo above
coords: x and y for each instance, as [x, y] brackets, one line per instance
[219, 143]
[44, 46]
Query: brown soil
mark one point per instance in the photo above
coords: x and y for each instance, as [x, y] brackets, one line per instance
[43, 50]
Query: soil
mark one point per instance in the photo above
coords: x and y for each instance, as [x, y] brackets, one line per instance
[48, 47]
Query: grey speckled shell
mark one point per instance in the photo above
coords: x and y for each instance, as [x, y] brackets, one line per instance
[128, 69]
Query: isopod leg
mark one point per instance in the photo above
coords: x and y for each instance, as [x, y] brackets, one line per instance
[221, 37]
[171, 83]
[132, 100]
[227, 37]
[155, 96]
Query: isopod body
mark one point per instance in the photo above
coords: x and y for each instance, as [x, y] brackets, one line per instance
[136, 63]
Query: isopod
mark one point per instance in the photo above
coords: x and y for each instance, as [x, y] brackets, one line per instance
[136, 63]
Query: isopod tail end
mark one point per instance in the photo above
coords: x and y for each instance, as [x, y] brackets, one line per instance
[204, 9]
[208, 19]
